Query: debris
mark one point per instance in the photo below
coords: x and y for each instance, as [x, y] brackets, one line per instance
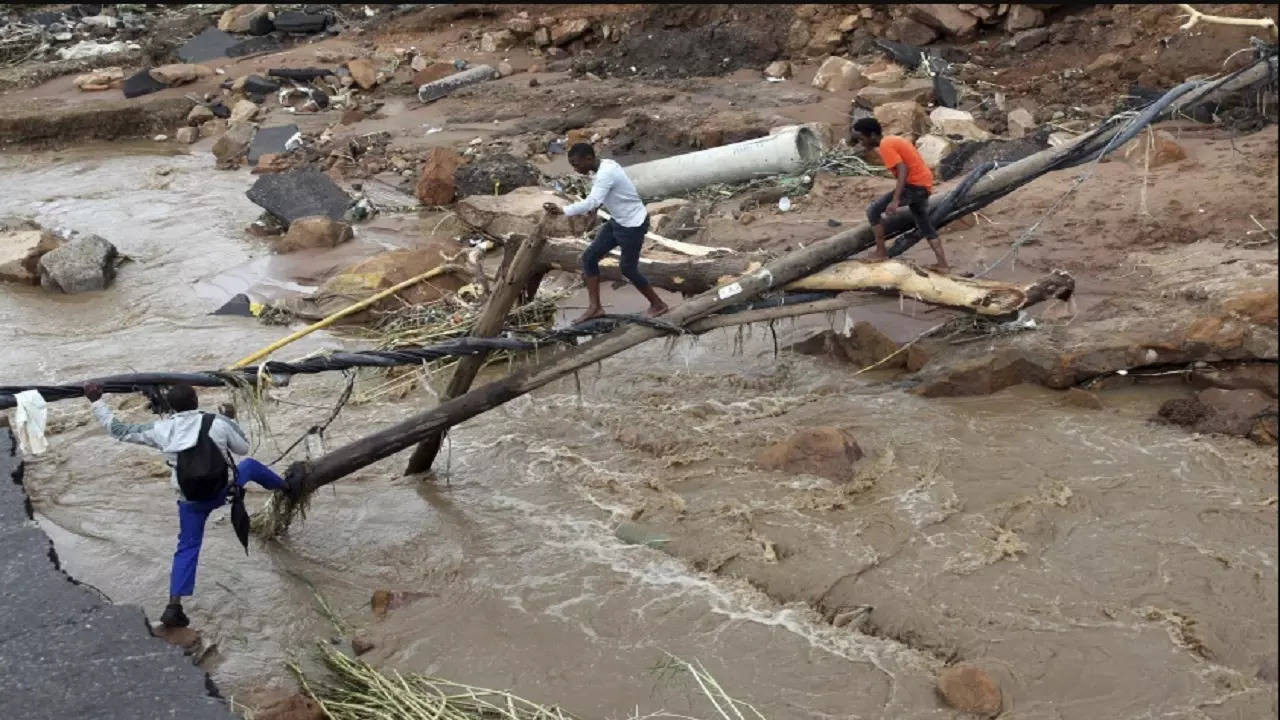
[933, 149]
[303, 75]
[199, 115]
[90, 49]
[634, 533]
[563, 33]
[252, 19]
[823, 451]
[1020, 122]
[945, 17]
[1028, 40]
[905, 118]
[363, 73]
[912, 32]
[103, 79]
[299, 193]
[82, 264]
[243, 112]
[918, 90]
[273, 139]
[497, 41]
[312, 232]
[141, 84]
[208, 45]
[302, 23]
[1105, 61]
[160, 138]
[496, 174]
[518, 212]
[179, 74]
[786, 152]
[433, 72]
[908, 56]
[187, 134]
[1022, 17]
[838, 75]
[864, 345]
[956, 123]
[778, 69]
[435, 90]
[270, 163]
[20, 251]
[884, 73]
[970, 689]
[258, 85]
[232, 146]
[435, 183]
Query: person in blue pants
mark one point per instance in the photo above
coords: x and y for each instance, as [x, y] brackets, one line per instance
[172, 435]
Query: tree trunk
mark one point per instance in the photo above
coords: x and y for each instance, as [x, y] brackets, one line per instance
[510, 285]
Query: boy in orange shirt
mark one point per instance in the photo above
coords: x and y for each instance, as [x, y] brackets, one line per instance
[915, 183]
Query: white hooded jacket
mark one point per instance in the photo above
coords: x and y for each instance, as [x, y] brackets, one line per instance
[173, 434]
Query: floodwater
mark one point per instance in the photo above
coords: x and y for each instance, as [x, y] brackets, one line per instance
[1097, 565]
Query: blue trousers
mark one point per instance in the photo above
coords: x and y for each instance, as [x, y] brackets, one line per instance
[629, 240]
[191, 519]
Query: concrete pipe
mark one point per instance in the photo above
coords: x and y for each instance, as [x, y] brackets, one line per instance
[438, 89]
[787, 152]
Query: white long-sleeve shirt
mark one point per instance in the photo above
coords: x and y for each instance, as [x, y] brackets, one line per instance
[613, 189]
[174, 434]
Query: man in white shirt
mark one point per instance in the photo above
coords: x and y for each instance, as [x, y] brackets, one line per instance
[625, 229]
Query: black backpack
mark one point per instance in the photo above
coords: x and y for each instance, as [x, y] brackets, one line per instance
[202, 468]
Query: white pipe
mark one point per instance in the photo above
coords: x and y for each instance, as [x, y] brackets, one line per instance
[789, 151]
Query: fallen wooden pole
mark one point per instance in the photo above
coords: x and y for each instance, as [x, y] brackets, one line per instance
[509, 287]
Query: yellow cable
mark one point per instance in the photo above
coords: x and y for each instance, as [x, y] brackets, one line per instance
[350, 309]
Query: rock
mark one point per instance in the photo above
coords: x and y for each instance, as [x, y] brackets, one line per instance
[542, 37]
[506, 69]
[302, 23]
[139, 84]
[1060, 138]
[884, 73]
[778, 69]
[825, 43]
[908, 31]
[495, 175]
[933, 148]
[104, 79]
[666, 207]
[864, 345]
[361, 645]
[1020, 122]
[1142, 152]
[186, 638]
[947, 18]
[363, 72]
[905, 118]
[563, 33]
[497, 41]
[79, 265]
[433, 72]
[187, 135]
[310, 233]
[243, 112]
[375, 274]
[1022, 17]
[274, 139]
[522, 26]
[199, 115]
[1028, 40]
[270, 163]
[970, 689]
[233, 145]
[246, 19]
[517, 212]
[435, 183]
[20, 251]
[798, 35]
[838, 75]
[1075, 397]
[1256, 306]
[918, 90]
[298, 194]
[1233, 412]
[823, 451]
[1105, 61]
[293, 707]
[210, 44]
[956, 124]
[848, 23]
[179, 73]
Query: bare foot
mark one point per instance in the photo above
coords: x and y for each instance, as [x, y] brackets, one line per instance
[591, 314]
[939, 268]
[878, 257]
[656, 310]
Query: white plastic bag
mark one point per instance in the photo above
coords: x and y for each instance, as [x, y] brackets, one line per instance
[30, 417]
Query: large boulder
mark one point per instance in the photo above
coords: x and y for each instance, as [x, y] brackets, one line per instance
[80, 265]
[22, 244]
[495, 175]
[363, 72]
[905, 118]
[313, 232]
[436, 184]
[919, 90]
[884, 73]
[945, 17]
[518, 212]
[823, 451]
[243, 112]
[838, 75]
[956, 124]
[563, 33]
[298, 194]
[906, 30]
[232, 145]
[933, 148]
[1022, 17]
[1154, 151]
[971, 690]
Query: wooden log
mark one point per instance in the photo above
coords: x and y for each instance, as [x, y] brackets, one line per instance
[777, 273]
[509, 286]
[678, 273]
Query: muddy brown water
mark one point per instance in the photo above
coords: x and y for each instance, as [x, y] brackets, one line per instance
[1096, 564]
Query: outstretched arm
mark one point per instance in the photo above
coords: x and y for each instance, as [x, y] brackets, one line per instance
[599, 190]
[138, 433]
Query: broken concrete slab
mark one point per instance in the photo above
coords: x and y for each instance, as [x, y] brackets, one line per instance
[83, 264]
[141, 83]
[270, 140]
[208, 45]
[302, 23]
[435, 90]
[298, 194]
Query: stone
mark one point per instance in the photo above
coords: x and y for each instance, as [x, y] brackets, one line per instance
[1061, 137]
[798, 35]
[666, 207]
[314, 232]
[104, 79]
[1020, 123]
[433, 72]
[298, 194]
[199, 115]
[838, 75]
[825, 43]
[495, 175]
[82, 264]
[1153, 152]
[20, 253]
[848, 23]
[506, 69]
[778, 69]
[1075, 397]
[956, 124]
[435, 183]
[823, 451]
[273, 139]
[187, 134]
[363, 73]
[1028, 39]
[139, 84]
[884, 73]
[1022, 17]
[911, 32]
[905, 118]
[933, 148]
[1104, 62]
[245, 18]
[497, 41]
[270, 163]
[970, 689]
[361, 645]
[522, 26]
[944, 17]
[302, 23]
[186, 638]
[210, 44]
[563, 33]
[1233, 412]
[517, 212]
[918, 90]
[864, 345]
[296, 706]
[542, 37]
[243, 112]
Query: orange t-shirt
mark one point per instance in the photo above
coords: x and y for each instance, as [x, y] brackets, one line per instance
[894, 150]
